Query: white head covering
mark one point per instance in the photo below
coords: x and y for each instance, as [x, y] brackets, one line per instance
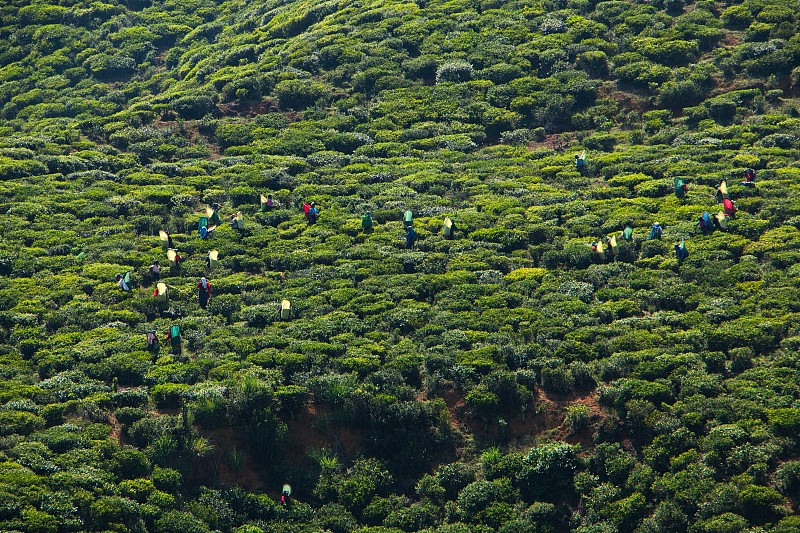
[204, 283]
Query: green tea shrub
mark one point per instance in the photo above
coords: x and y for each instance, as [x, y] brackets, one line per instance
[193, 107]
[300, 94]
[233, 134]
[246, 88]
[737, 16]
[454, 71]
[166, 479]
[479, 495]
[676, 95]
[130, 463]
[550, 465]
[784, 421]
[168, 395]
[129, 415]
[19, 422]
[787, 477]
[180, 521]
[113, 509]
[600, 141]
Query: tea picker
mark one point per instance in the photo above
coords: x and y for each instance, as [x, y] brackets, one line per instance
[366, 221]
[722, 191]
[203, 229]
[408, 219]
[612, 245]
[749, 178]
[597, 247]
[704, 223]
[174, 258]
[311, 212]
[237, 221]
[580, 161]
[448, 228]
[162, 292]
[174, 338]
[154, 271]
[213, 259]
[680, 251]
[411, 237]
[680, 187]
[285, 310]
[213, 214]
[124, 282]
[728, 207]
[152, 340]
[655, 232]
[720, 221]
[166, 240]
[203, 292]
[627, 233]
[267, 203]
[286, 494]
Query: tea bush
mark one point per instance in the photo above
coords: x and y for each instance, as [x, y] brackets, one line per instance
[432, 388]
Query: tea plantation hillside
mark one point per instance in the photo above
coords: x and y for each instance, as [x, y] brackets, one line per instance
[508, 378]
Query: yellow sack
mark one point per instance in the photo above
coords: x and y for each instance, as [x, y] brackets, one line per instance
[722, 220]
[163, 292]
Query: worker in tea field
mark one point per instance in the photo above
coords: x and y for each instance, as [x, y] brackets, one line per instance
[749, 177]
[704, 223]
[720, 221]
[214, 219]
[597, 247]
[580, 161]
[152, 341]
[311, 211]
[174, 260]
[124, 282]
[728, 207]
[680, 187]
[154, 271]
[722, 191]
[366, 221]
[204, 230]
[286, 494]
[611, 243]
[236, 220]
[203, 292]
[680, 251]
[411, 237]
[270, 203]
[655, 232]
[627, 233]
[174, 338]
[448, 228]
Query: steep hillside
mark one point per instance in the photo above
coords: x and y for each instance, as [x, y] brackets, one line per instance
[510, 377]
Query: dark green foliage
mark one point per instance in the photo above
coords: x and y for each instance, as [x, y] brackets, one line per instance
[299, 94]
[555, 463]
[428, 388]
[179, 521]
[193, 106]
